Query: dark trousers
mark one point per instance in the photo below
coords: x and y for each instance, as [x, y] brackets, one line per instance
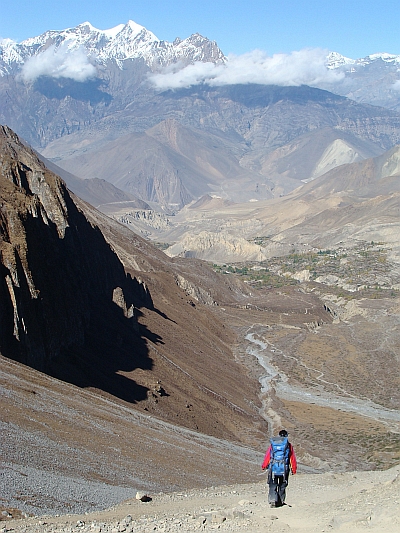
[277, 489]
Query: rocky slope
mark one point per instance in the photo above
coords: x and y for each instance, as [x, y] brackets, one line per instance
[52, 261]
[77, 309]
[172, 375]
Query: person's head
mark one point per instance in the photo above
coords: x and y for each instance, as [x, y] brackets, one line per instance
[283, 433]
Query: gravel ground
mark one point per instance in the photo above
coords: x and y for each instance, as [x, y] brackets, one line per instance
[38, 492]
[350, 503]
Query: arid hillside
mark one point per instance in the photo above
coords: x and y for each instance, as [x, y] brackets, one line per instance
[141, 330]
[348, 205]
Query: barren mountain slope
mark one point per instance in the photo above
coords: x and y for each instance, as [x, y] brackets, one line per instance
[71, 449]
[323, 352]
[313, 154]
[336, 238]
[239, 127]
[69, 308]
[193, 352]
[98, 192]
[171, 164]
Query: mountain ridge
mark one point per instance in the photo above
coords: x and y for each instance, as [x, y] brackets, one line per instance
[109, 43]
[74, 91]
[119, 44]
[244, 125]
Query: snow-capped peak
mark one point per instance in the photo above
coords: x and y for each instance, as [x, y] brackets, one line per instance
[335, 60]
[136, 28]
[87, 26]
[384, 57]
[120, 43]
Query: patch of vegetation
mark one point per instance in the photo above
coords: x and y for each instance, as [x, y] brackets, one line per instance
[161, 245]
[362, 271]
[256, 275]
[260, 241]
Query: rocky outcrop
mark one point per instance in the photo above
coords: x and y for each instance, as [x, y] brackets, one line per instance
[65, 298]
[148, 217]
[195, 292]
[216, 246]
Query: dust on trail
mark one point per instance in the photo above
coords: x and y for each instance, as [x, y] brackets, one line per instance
[351, 502]
[277, 381]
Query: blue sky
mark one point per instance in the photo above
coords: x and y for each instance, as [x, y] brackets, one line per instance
[353, 28]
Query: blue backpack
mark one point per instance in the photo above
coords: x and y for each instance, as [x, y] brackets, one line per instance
[280, 450]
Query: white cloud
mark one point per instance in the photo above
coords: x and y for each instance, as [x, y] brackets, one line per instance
[304, 67]
[396, 85]
[59, 63]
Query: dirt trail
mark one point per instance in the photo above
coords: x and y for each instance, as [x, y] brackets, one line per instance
[350, 502]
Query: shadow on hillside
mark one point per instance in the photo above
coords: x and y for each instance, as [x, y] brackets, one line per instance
[59, 313]
[254, 95]
[87, 91]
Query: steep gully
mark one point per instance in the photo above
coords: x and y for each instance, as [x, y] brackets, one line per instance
[276, 381]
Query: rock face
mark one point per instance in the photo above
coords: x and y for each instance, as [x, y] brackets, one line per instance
[58, 274]
[223, 247]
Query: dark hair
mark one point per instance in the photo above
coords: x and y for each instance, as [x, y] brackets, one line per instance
[283, 433]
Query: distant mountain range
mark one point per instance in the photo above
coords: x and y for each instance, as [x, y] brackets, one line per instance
[83, 98]
[124, 42]
[374, 79]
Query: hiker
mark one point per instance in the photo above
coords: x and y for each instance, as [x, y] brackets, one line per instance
[279, 459]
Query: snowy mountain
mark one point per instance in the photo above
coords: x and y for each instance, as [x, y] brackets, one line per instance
[86, 53]
[374, 79]
[336, 60]
[125, 41]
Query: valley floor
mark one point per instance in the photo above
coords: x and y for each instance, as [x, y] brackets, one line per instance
[348, 502]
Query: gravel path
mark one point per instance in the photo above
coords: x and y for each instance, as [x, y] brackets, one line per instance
[351, 502]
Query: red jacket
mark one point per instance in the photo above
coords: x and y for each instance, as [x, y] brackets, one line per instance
[292, 459]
